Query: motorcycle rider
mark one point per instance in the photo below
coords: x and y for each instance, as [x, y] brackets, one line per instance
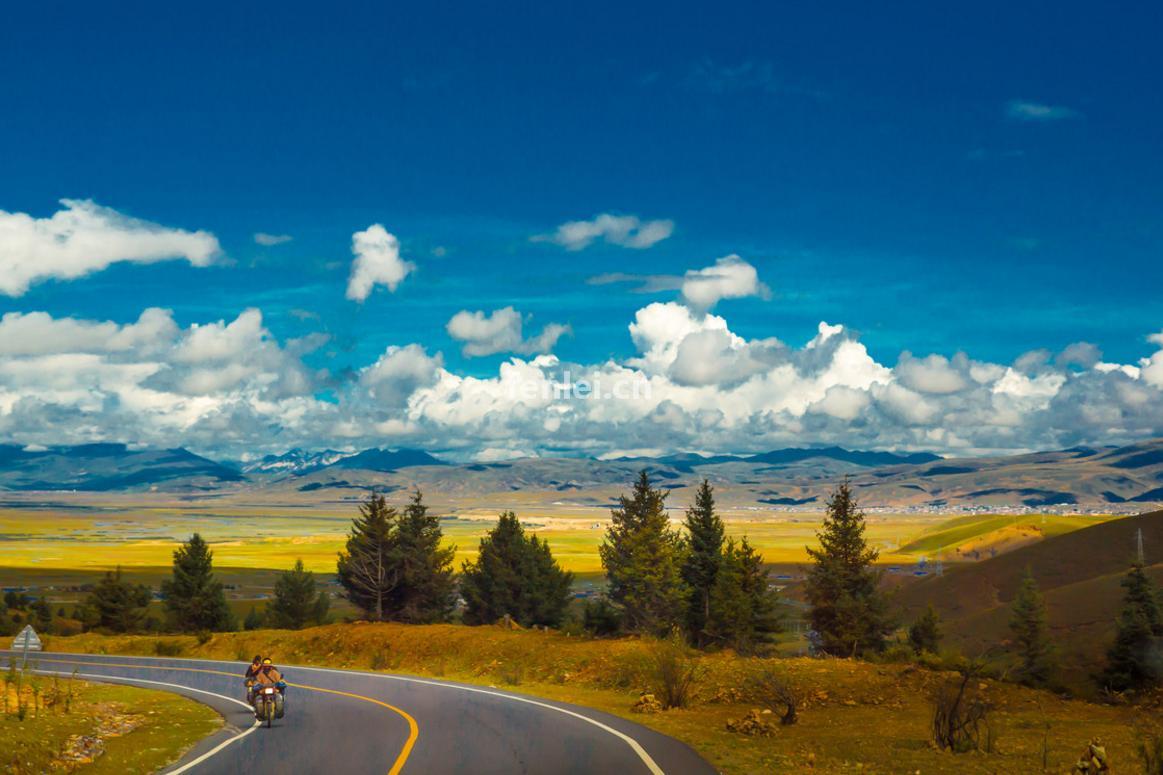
[269, 675]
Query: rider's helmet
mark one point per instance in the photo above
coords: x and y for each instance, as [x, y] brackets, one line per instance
[257, 659]
[267, 661]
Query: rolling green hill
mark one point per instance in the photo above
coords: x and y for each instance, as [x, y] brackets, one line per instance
[1079, 572]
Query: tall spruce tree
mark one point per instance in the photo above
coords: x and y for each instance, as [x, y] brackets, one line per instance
[368, 569]
[705, 554]
[743, 613]
[116, 605]
[426, 592]
[194, 598]
[1135, 659]
[848, 611]
[394, 567]
[643, 559]
[1031, 635]
[514, 574]
[297, 602]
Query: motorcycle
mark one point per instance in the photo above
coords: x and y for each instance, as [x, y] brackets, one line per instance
[269, 703]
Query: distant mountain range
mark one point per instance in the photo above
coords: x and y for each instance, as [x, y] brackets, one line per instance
[100, 467]
[299, 462]
[783, 478]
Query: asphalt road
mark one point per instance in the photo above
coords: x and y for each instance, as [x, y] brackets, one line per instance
[341, 721]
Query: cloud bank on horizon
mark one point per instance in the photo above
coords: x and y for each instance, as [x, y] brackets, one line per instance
[231, 387]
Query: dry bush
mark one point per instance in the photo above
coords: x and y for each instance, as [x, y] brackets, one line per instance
[961, 716]
[673, 668]
[772, 689]
[382, 659]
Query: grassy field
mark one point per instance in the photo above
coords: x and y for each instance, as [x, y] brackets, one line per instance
[845, 700]
[139, 730]
[70, 538]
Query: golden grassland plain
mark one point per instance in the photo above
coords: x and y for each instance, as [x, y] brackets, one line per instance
[141, 730]
[100, 538]
[856, 716]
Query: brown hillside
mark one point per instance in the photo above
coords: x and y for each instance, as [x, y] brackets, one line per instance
[1078, 572]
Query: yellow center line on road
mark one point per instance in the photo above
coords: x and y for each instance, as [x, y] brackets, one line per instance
[397, 766]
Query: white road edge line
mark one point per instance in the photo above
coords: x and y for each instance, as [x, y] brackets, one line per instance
[188, 765]
[634, 744]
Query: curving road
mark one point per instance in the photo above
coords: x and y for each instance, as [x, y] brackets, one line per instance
[344, 721]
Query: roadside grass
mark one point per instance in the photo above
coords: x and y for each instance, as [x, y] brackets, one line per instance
[141, 730]
[856, 716]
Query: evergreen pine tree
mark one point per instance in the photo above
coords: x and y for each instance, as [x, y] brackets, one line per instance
[367, 569]
[116, 605]
[705, 542]
[643, 560]
[1135, 659]
[514, 574]
[425, 593]
[194, 598]
[296, 601]
[1031, 635]
[742, 610]
[254, 620]
[41, 615]
[848, 611]
[925, 633]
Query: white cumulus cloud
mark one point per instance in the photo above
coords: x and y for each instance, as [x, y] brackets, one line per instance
[377, 262]
[269, 240]
[730, 278]
[628, 231]
[500, 331]
[84, 238]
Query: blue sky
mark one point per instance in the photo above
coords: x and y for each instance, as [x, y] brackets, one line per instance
[983, 178]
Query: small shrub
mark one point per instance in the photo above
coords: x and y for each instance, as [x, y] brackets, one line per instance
[203, 637]
[772, 689]
[511, 673]
[601, 618]
[168, 648]
[1151, 755]
[895, 653]
[381, 659]
[674, 669]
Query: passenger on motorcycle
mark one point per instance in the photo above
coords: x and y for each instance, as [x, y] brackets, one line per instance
[251, 671]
